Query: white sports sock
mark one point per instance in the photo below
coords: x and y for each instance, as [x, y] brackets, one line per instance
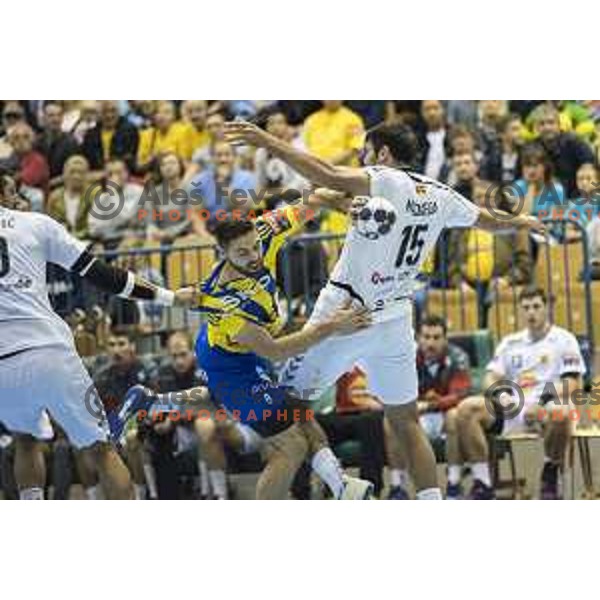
[150, 477]
[326, 465]
[399, 478]
[92, 492]
[481, 471]
[204, 483]
[140, 491]
[33, 493]
[218, 482]
[454, 474]
[429, 494]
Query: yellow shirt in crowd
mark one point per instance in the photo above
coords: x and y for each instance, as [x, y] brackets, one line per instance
[329, 134]
[181, 138]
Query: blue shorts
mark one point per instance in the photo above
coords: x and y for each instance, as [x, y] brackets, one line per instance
[247, 387]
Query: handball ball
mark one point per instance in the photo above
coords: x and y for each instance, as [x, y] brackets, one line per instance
[376, 218]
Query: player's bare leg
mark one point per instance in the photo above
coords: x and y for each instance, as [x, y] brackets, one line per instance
[112, 472]
[473, 420]
[404, 421]
[212, 460]
[134, 453]
[557, 434]
[284, 454]
[454, 455]
[30, 467]
[88, 474]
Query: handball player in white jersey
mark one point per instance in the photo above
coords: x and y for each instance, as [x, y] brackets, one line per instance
[379, 274]
[40, 371]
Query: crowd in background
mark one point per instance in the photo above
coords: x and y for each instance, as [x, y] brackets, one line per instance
[66, 153]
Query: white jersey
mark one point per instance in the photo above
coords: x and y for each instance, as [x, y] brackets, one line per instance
[382, 274]
[28, 241]
[533, 364]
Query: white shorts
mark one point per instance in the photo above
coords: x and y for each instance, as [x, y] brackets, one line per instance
[51, 381]
[385, 351]
[433, 425]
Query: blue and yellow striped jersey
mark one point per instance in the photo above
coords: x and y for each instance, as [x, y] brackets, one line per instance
[230, 306]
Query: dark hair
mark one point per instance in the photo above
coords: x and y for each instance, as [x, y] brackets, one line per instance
[400, 140]
[533, 292]
[434, 321]
[126, 331]
[231, 229]
[534, 153]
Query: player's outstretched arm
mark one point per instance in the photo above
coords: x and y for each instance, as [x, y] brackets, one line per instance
[259, 341]
[127, 284]
[320, 172]
[504, 220]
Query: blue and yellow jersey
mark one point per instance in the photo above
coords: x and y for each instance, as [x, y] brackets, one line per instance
[228, 307]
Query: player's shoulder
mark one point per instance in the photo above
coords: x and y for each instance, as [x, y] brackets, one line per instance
[559, 334]
[514, 339]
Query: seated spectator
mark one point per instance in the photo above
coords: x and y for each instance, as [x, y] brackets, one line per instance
[460, 141]
[12, 113]
[194, 112]
[444, 381]
[166, 135]
[544, 363]
[167, 202]
[432, 137]
[501, 164]
[215, 184]
[542, 194]
[566, 152]
[112, 138]
[124, 370]
[334, 133]
[202, 157]
[70, 204]
[585, 206]
[28, 165]
[140, 113]
[464, 173]
[127, 222]
[56, 145]
[274, 177]
[80, 116]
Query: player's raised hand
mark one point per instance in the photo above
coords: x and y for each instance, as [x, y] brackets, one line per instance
[348, 320]
[357, 205]
[243, 132]
[187, 296]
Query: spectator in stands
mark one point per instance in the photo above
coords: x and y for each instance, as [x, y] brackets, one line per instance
[195, 112]
[215, 184]
[140, 113]
[166, 135]
[126, 223]
[56, 145]
[463, 113]
[460, 141]
[80, 116]
[167, 202]
[545, 364]
[501, 163]
[444, 381]
[12, 113]
[70, 204]
[202, 157]
[334, 133]
[465, 169]
[585, 205]
[29, 165]
[566, 153]
[542, 194]
[274, 177]
[432, 137]
[124, 370]
[112, 138]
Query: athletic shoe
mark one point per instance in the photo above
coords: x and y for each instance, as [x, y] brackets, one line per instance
[137, 398]
[454, 491]
[397, 492]
[550, 491]
[480, 491]
[356, 489]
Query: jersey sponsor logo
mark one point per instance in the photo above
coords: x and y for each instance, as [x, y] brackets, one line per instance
[22, 283]
[379, 279]
[421, 209]
[7, 223]
[571, 360]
